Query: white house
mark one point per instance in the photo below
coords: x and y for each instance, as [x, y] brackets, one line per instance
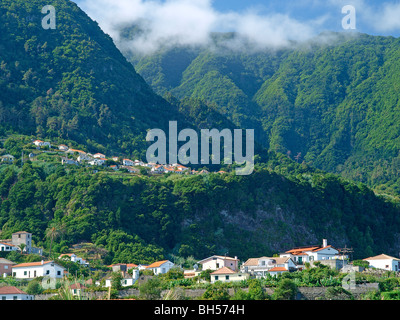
[260, 267]
[68, 161]
[217, 262]
[127, 162]
[7, 247]
[385, 262]
[40, 143]
[13, 293]
[226, 274]
[32, 270]
[77, 289]
[63, 147]
[158, 169]
[301, 255]
[127, 279]
[74, 258]
[97, 162]
[8, 158]
[160, 267]
[99, 155]
[139, 163]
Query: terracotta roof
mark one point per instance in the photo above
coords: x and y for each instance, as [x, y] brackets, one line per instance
[11, 290]
[278, 269]
[251, 262]
[303, 249]
[5, 261]
[224, 270]
[7, 244]
[382, 257]
[131, 265]
[77, 286]
[323, 248]
[156, 264]
[31, 264]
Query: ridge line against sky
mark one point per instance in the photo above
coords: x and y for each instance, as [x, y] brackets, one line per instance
[269, 23]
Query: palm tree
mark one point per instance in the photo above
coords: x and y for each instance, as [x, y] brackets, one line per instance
[54, 231]
[22, 247]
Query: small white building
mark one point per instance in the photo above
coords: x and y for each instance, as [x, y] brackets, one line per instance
[158, 169]
[217, 262]
[127, 279]
[301, 255]
[99, 155]
[32, 270]
[385, 262]
[127, 162]
[68, 161]
[13, 293]
[40, 143]
[8, 158]
[7, 247]
[63, 147]
[226, 274]
[261, 267]
[74, 258]
[160, 267]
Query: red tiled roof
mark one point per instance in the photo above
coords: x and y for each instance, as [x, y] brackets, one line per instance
[11, 290]
[224, 270]
[278, 269]
[31, 264]
[156, 264]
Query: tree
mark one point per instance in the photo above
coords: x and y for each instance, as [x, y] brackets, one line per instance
[286, 290]
[53, 232]
[151, 289]
[256, 291]
[217, 291]
[22, 247]
[34, 288]
[116, 278]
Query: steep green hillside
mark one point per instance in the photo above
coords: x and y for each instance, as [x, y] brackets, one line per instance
[138, 218]
[72, 82]
[334, 105]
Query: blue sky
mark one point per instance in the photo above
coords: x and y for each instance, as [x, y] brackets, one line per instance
[265, 22]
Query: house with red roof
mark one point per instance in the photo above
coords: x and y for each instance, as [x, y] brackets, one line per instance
[32, 270]
[74, 258]
[226, 274]
[261, 267]
[301, 255]
[6, 267]
[384, 262]
[13, 293]
[160, 267]
[216, 262]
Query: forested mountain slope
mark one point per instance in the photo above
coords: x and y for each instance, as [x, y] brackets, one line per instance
[334, 104]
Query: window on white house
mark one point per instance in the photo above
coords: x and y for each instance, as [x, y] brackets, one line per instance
[216, 278]
[226, 277]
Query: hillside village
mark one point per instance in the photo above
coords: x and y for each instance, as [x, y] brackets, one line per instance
[71, 156]
[210, 271]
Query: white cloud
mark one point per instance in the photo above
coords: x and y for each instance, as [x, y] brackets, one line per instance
[190, 22]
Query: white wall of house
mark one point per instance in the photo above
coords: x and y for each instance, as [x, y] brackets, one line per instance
[164, 268]
[16, 296]
[7, 247]
[51, 270]
[386, 264]
[215, 263]
[229, 277]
